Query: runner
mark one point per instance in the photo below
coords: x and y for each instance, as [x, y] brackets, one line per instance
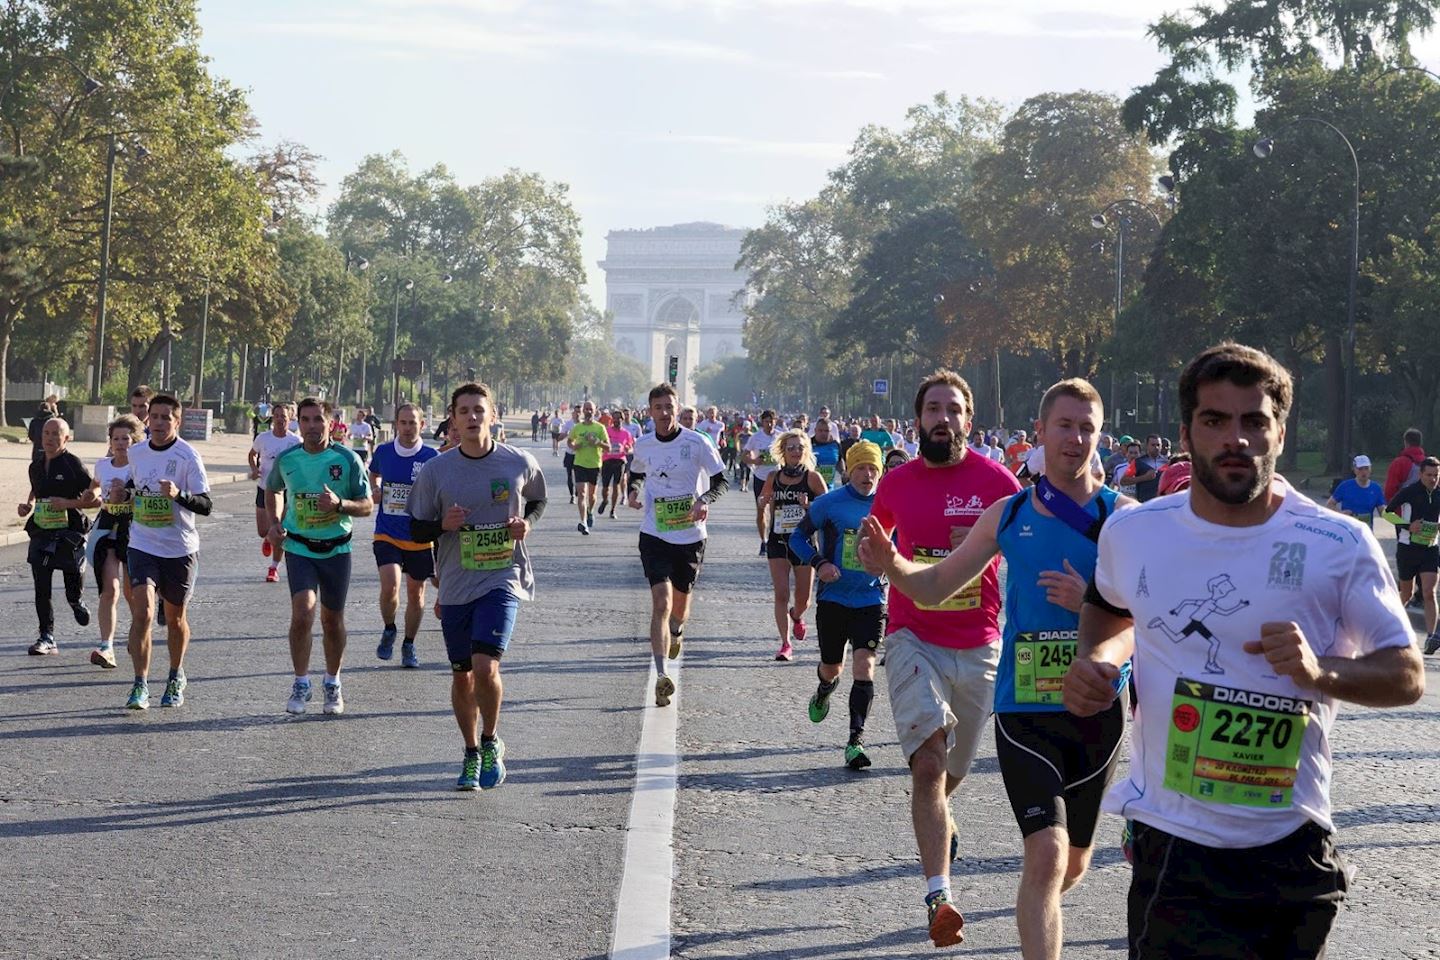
[392, 476]
[877, 434]
[111, 536]
[931, 504]
[712, 426]
[263, 451]
[1358, 497]
[477, 503]
[588, 439]
[1055, 765]
[1269, 611]
[612, 466]
[1415, 511]
[679, 474]
[140, 403]
[760, 458]
[171, 489]
[851, 606]
[327, 489]
[687, 417]
[788, 491]
[59, 490]
[362, 436]
[827, 454]
[569, 461]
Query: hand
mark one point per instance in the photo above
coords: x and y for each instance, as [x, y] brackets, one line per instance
[327, 502]
[519, 526]
[1064, 589]
[767, 498]
[276, 536]
[633, 502]
[699, 512]
[828, 572]
[1289, 654]
[23, 509]
[117, 491]
[454, 518]
[876, 551]
[168, 489]
[804, 501]
[254, 473]
[1089, 686]
[1414, 526]
[957, 536]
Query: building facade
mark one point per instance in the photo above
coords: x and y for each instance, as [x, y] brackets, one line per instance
[675, 292]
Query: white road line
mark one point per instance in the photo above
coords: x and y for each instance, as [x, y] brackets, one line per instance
[642, 911]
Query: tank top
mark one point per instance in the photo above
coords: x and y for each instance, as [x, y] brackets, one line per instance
[786, 509]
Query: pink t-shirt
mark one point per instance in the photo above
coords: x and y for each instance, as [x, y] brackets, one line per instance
[921, 503]
[621, 443]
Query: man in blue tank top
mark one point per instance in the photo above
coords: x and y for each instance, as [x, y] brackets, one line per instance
[1056, 766]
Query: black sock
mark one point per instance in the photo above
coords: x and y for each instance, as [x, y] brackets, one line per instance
[174, 673]
[472, 751]
[826, 687]
[410, 640]
[389, 626]
[484, 739]
[861, 693]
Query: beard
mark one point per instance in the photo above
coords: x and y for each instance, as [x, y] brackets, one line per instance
[944, 451]
[1210, 475]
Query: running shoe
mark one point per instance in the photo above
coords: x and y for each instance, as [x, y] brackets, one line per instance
[1127, 841]
[159, 612]
[945, 921]
[492, 763]
[82, 615]
[856, 757]
[44, 646]
[786, 652]
[820, 708]
[604, 505]
[386, 649]
[762, 548]
[272, 575]
[334, 702]
[664, 690]
[469, 773]
[300, 694]
[676, 639]
[103, 657]
[590, 519]
[1432, 643]
[583, 529]
[954, 837]
[174, 695]
[265, 548]
[798, 626]
[407, 655]
[139, 696]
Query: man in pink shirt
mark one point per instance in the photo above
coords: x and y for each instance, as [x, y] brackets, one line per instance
[940, 660]
[612, 464]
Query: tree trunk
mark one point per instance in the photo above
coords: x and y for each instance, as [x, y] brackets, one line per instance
[7, 327]
[1335, 412]
[1291, 457]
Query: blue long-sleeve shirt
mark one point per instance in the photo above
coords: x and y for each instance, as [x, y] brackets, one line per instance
[835, 519]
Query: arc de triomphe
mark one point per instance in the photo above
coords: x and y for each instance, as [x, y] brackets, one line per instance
[671, 291]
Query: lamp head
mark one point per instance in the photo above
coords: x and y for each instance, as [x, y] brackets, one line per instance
[448, 278]
[1264, 147]
[1167, 183]
[1098, 221]
[92, 85]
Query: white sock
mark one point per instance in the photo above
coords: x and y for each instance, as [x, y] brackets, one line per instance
[937, 884]
[331, 679]
[303, 678]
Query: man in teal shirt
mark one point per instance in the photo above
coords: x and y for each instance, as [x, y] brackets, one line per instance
[328, 487]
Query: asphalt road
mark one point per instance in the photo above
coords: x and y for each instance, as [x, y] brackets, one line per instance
[229, 829]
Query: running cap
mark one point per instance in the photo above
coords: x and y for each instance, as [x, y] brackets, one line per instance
[863, 451]
[1362, 461]
[1127, 440]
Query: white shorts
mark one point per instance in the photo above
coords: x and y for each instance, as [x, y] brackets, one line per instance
[939, 688]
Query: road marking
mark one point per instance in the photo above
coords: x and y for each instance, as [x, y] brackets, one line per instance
[642, 911]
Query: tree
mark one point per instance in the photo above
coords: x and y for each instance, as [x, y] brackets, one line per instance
[726, 381]
[1406, 301]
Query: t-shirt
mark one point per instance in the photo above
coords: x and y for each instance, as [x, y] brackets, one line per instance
[1040, 637]
[677, 471]
[305, 475]
[1148, 489]
[835, 518]
[878, 436]
[64, 477]
[921, 503]
[1015, 454]
[112, 515]
[159, 527]
[712, 429]
[1412, 503]
[1358, 501]
[1224, 752]
[590, 440]
[621, 443]
[360, 437]
[1035, 463]
[1124, 479]
[481, 556]
[397, 470]
[827, 458]
[269, 447]
[760, 443]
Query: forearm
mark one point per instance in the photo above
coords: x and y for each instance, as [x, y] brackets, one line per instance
[1394, 677]
[928, 584]
[636, 484]
[361, 507]
[1104, 636]
[718, 486]
[199, 504]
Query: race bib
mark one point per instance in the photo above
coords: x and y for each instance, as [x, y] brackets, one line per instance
[766, 459]
[827, 473]
[1234, 746]
[1041, 659]
[673, 513]
[50, 518]
[154, 510]
[486, 546]
[850, 551]
[1428, 534]
[358, 443]
[123, 509]
[788, 517]
[394, 498]
[308, 514]
[966, 598]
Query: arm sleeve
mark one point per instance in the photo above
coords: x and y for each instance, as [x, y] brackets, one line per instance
[1371, 617]
[197, 503]
[636, 483]
[718, 486]
[534, 510]
[533, 491]
[801, 539]
[1102, 591]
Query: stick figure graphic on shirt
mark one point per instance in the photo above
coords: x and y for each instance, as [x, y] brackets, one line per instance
[1197, 611]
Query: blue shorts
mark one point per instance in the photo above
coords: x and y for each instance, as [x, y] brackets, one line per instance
[483, 626]
[328, 576]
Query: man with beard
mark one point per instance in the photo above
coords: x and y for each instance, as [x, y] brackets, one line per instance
[941, 658]
[1268, 611]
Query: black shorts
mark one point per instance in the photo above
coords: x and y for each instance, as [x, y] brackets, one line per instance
[756, 484]
[1411, 561]
[104, 548]
[172, 577]
[586, 474]
[611, 471]
[1056, 767]
[1276, 900]
[417, 564]
[837, 625]
[677, 563]
[260, 500]
[778, 548]
[327, 576]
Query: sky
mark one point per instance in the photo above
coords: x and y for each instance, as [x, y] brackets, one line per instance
[652, 111]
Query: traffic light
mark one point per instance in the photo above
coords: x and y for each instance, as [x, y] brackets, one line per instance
[673, 370]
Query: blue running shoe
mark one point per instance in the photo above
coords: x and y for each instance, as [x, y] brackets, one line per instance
[492, 763]
[407, 655]
[139, 696]
[386, 650]
[469, 773]
[174, 695]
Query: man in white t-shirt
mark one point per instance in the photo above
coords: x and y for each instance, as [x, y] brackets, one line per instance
[712, 426]
[761, 459]
[1259, 614]
[569, 460]
[263, 451]
[362, 436]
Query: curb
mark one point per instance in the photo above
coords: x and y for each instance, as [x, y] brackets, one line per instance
[10, 538]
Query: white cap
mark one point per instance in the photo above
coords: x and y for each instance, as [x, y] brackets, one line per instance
[1362, 461]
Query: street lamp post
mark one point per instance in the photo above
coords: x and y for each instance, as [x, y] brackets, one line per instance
[1100, 221]
[395, 342]
[112, 149]
[359, 264]
[1263, 148]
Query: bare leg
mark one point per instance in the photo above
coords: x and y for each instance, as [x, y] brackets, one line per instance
[1037, 903]
[414, 606]
[390, 593]
[780, 580]
[467, 711]
[928, 808]
[488, 691]
[142, 612]
[109, 598]
[332, 635]
[660, 605]
[302, 622]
